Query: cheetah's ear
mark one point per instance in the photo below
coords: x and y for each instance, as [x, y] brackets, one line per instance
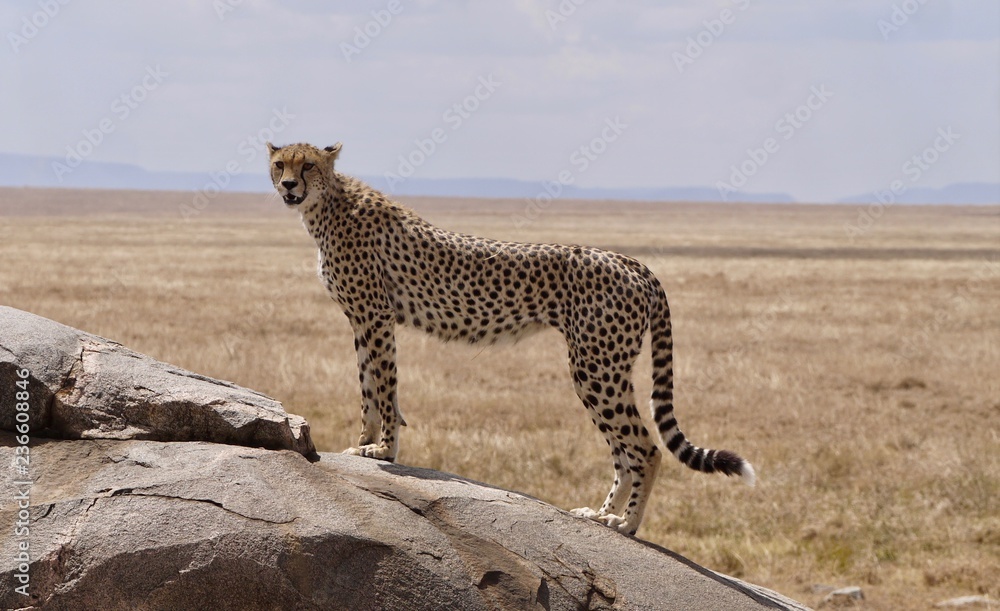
[272, 149]
[332, 152]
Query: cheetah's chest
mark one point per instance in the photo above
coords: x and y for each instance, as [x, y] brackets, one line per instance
[349, 269]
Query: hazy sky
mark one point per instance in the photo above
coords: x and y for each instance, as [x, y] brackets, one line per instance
[819, 99]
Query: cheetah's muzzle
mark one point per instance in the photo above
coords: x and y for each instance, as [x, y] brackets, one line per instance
[293, 200]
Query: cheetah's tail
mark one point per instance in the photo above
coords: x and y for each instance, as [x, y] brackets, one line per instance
[662, 403]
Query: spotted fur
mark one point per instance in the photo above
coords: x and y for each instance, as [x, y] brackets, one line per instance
[385, 266]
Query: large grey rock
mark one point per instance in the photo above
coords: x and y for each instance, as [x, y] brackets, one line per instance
[112, 519]
[82, 386]
[151, 525]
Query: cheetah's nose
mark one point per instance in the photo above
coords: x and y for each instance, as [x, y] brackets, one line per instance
[289, 184]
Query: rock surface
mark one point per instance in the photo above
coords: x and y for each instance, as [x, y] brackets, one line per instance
[153, 525]
[82, 386]
[139, 490]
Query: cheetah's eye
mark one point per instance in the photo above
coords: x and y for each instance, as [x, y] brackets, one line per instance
[279, 164]
[308, 166]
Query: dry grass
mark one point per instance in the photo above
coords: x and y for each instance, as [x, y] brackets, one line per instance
[859, 377]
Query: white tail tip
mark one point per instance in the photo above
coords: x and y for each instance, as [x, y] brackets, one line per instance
[748, 475]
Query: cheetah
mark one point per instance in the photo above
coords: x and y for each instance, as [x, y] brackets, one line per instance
[384, 266]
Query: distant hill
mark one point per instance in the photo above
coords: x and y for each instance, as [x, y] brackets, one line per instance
[956, 193]
[510, 188]
[31, 171]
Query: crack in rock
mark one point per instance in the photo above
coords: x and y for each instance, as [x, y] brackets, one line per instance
[144, 492]
[510, 584]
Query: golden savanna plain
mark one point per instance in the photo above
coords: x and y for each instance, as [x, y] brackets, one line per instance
[854, 360]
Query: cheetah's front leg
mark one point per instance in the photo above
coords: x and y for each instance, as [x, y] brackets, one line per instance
[374, 340]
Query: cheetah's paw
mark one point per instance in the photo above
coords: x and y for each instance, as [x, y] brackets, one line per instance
[585, 512]
[618, 523]
[608, 519]
[372, 450]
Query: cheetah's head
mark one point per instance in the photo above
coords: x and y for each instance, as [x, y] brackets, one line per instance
[302, 171]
